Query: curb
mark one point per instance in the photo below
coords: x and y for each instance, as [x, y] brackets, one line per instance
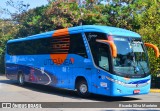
[155, 90]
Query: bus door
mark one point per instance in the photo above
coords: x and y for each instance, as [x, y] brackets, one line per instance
[104, 63]
[102, 60]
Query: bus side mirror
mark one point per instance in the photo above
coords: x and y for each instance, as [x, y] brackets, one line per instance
[156, 50]
[112, 45]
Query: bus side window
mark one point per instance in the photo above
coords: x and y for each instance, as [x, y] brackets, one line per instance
[77, 45]
[103, 56]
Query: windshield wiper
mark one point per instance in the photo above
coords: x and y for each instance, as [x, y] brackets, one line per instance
[136, 69]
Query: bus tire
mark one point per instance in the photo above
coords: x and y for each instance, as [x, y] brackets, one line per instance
[82, 88]
[21, 79]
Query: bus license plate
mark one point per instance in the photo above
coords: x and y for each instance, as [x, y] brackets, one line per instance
[136, 91]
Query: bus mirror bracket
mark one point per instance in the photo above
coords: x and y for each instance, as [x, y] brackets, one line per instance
[111, 44]
[156, 50]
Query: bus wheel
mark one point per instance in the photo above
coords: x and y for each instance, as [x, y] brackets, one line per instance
[82, 88]
[21, 79]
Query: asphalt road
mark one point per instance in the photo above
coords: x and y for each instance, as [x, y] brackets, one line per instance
[10, 91]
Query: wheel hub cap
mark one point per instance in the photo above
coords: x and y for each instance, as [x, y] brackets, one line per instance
[83, 88]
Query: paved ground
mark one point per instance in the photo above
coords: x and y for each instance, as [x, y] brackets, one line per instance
[11, 92]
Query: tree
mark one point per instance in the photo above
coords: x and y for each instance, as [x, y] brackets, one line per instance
[7, 31]
[147, 17]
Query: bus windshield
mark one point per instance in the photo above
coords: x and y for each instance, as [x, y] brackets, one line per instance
[131, 57]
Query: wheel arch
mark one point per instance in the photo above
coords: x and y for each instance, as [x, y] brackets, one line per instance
[20, 72]
[79, 78]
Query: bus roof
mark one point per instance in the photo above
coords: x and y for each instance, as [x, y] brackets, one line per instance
[85, 28]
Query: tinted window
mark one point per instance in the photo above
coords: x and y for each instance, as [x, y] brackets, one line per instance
[72, 44]
[101, 55]
[77, 45]
[30, 47]
[60, 45]
[92, 36]
[100, 52]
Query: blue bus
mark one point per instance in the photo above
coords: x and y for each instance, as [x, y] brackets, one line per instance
[88, 59]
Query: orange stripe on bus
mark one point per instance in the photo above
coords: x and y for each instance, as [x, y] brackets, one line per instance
[61, 32]
[59, 58]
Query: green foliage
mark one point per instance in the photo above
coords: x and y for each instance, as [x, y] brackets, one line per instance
[7, 31]
[62, 15]
[149, 22]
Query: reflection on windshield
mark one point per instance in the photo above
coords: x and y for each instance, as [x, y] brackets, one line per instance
[131, 57]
